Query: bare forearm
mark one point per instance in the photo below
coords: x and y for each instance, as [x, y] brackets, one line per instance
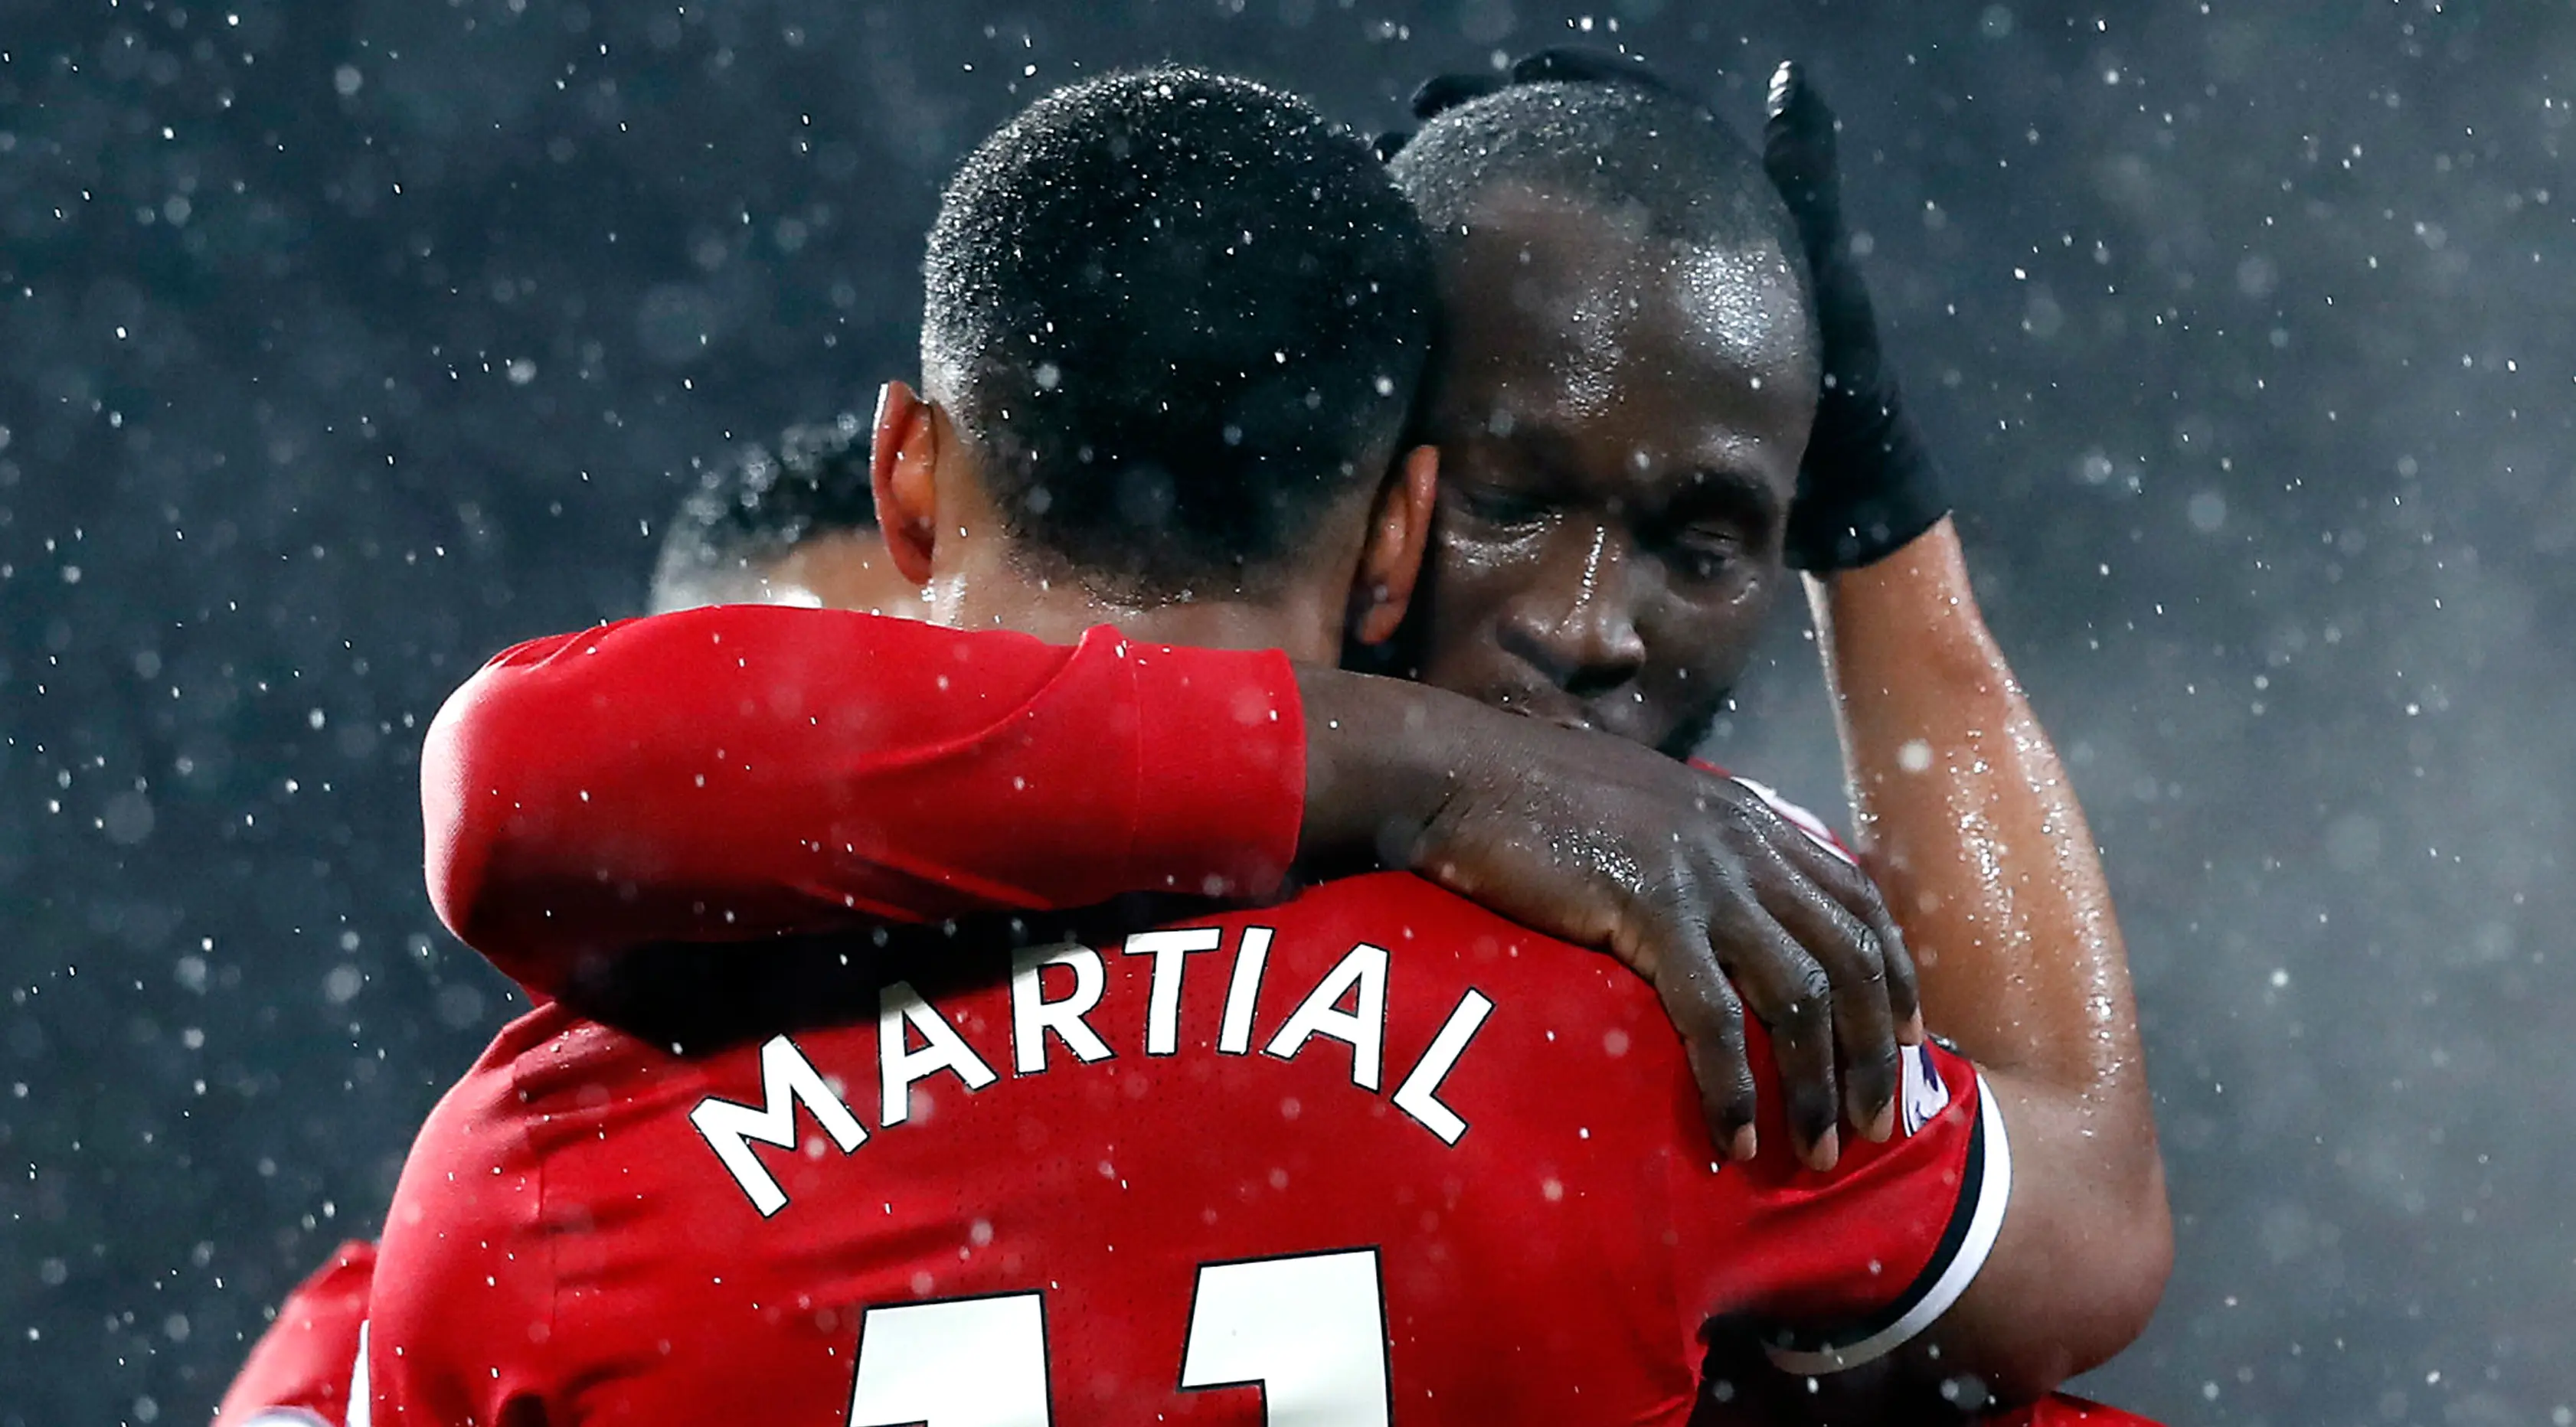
[1380, 759]
[1966, 818]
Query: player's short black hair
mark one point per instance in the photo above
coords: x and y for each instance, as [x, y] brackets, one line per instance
[1179, 315]
[760, 502]
[1627, 146]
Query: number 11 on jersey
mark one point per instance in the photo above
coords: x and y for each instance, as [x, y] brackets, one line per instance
[1308, 1330]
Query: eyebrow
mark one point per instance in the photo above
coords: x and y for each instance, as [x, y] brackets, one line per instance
[1726, 491]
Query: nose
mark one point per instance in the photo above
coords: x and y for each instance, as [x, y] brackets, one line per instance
[1576, 622]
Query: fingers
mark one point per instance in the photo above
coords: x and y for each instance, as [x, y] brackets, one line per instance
[1856, 894]
[1784, 85]
[1904, 992]
[1486, 854]
[1862, 1024]
[1834, 911]
[1798, 152]
[1788, 991]
[1673, 951]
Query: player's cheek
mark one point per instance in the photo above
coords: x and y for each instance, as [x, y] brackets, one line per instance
[1474, 582]
[1703, 632]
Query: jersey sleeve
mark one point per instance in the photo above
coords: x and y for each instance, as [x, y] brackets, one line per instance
[739, 772]
[300, 1369]
[1844, 1267]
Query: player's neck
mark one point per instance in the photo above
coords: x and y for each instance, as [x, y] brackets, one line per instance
[1305, 631]
[997, 595]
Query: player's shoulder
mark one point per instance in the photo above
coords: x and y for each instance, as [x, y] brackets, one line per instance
[1397, 905]
[470, 1185]
[1428, 929]
[477, 1117]
[342, 1277]
[523, 1039]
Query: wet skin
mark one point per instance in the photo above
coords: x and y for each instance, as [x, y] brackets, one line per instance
[1620, 424]
[1620, 420]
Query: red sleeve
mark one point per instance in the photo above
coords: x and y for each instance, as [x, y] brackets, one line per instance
[742, 771]
[300, 1368]
[1847, 1266]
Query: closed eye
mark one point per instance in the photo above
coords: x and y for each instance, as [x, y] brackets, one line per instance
[1705, 551]
[1501, 509]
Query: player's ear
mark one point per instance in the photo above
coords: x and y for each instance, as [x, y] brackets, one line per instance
[1399, 533]
[900, 467]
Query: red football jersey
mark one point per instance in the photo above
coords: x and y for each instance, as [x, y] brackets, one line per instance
[299, 1371]
[1373, 1155]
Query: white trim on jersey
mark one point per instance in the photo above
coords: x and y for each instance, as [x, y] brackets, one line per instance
[283, 1417]
[362, 1402]
[1984, 1203]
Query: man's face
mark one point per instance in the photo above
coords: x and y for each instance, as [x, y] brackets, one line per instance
[1620, 422]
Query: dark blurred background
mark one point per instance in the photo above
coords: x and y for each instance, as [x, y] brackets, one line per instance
[344, 341]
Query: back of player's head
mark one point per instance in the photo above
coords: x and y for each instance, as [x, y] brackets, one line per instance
[1623, 145]
[750, 510]
[1178, 317]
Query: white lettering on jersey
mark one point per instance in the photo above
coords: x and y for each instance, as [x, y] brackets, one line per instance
[1163, 1010]
[1361, 976]
[786, 1078]
[1308, 1330]
[1243, 993]
[901, 1010]
[1419, 1095]
[965, 1362]
[1033, 1016]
